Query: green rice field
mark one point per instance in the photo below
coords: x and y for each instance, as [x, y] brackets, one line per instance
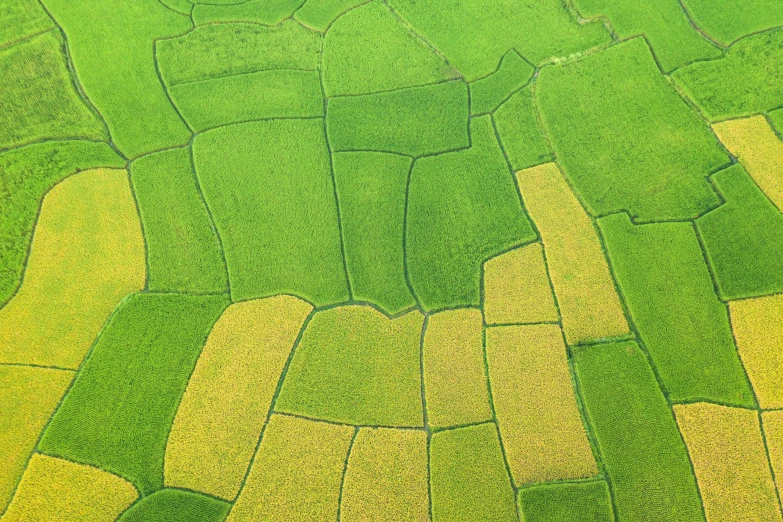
[391, 260]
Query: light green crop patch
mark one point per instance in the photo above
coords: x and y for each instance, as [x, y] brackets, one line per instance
[371, 191]
[468, 477]
[176, 505]
[119, 410]
[637, 437]
[519, 131]
[663, 23]
[216, 50]
[21, 19]
[319, 14]
[39, 101]
[269, 187]
[662, 274]
[747, 80]
[574, 502]
[727, 20]
[353, 365]
[475, 35]
[277, 93]
[26, 175]
[415, 121]
[489, 92]
[368, 50]
[183, 253]
[743, 238]
[463, 208]
[267, 12]
[644, 142]
[111, 45]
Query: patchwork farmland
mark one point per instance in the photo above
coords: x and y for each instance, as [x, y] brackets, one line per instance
[391, 260]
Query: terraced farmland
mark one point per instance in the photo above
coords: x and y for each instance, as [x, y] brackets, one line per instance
[391, 260]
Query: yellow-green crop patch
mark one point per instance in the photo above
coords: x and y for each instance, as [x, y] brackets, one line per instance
[577, 267]
[517, 288]
[386, 476]
[297, 472]
[536, 408]
[455, 381]
[57, 489]
[356, 366]
[28, 397]
[229, 394]
[86, 255]
[730, 461]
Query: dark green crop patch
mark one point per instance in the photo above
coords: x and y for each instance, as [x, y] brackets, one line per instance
[119, 410]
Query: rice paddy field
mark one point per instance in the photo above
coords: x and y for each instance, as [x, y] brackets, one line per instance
[391, 260]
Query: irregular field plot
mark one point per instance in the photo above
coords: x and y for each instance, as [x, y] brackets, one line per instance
[728, 455]
[356, 366]
[86, 255]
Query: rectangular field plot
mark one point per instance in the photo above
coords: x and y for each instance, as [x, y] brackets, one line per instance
[637, 437]
[269, 187]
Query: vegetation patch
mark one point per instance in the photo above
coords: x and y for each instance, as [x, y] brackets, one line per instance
[575, 502]
[772, 426]
[386, 477]
[661, 272]
[517, 288]
[730, 461]
[39, 101]
[645, 143]
[743, 238]
[371, 192]
[728, 20]
[536, 407]
[297, 472]
[183, 251]
[119, 410]
[368, 50]
[474, 36]
[519, 131]
[319, 14]
[462, 209]
[229, 394]
[56, 489]
[639, 443]
[218, 50]
[86, 255]
[354, 365]
[758, 329]
[28, 397]
[454, 376]
[584, 288]
[759, 150]
[111, 45]
[175, 505]
[489, 92]
[28, 173]
[748, 79]
[22, 19]
[671, 35]
[469, 480]
[278, 237]
[414, 121]
[266, 12]
[277, 93]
